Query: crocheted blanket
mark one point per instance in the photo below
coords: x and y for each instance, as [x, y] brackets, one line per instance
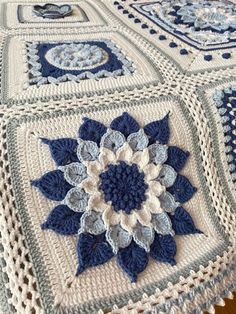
[117, 156]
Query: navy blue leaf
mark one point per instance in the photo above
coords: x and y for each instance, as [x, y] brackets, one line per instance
[92, 250]
[92, 130]
[63, 150]
[133, 260]
[182, 189]
[53, 185]
[63, 220]
[182, 222]
[176, 157]
[125, 124]
[163, 249]
[158, 130]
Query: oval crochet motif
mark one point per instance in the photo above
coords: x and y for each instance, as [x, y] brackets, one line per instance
[124, 195]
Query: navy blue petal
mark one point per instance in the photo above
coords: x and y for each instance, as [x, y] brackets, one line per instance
[92, 130]
[125, 124]
[158, 130]
[53, 185]
[63, 220]
[63, 150]
[133, 260]
[182, 189]
[176, 157]
[163, 249]
[92, 250]
[182, 222]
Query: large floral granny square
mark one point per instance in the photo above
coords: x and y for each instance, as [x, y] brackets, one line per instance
[114, 205]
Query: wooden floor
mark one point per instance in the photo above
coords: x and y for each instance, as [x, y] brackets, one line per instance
[229, 308]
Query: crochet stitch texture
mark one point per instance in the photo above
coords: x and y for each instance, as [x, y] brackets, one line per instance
[117, 156]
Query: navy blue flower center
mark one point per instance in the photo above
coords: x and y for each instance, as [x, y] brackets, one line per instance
[124, 186]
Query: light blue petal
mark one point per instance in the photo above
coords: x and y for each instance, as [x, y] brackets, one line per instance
[168, 202]
[143, 236]
[167, 176]
[87, 150]
[112, 140]
[74, 173]
[162, 224]
[92, 223]
[138, 140]
[76, 199]
[118, 238]
[158, 153]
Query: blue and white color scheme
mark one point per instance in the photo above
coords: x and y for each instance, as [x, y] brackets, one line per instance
[203, 24]
[75, 61]
[120, 190]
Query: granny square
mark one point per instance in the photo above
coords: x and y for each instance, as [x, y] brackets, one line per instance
[117, 156]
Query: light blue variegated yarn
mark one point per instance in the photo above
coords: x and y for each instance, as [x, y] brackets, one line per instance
[167, 176]
[118, 238]
[87, 150]
[92, 222]
[74, 173]
[158, 153]
[168, 202]
[138, 140]
[112, 140]
[76, 199]
[143, 236]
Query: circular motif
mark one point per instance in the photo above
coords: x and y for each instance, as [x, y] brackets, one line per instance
[76, 56]
[124, 186]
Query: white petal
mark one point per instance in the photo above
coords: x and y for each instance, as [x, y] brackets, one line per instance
[141, 158]
[96, 202]
[144, 216]
[106, 157]
[90, 185]
[110, 217]
[151, 171]
[152, 205]
[124, 153]
[128, 222]
[155, 188]
[94, 168]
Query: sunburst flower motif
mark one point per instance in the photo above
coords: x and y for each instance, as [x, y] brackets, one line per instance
[119, 190]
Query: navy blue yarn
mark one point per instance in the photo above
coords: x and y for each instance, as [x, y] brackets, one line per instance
[124, 186]
[48, 69]
[125, 124]
[137, 21]
[172, 44]
[230, 97]
[91, 130]
[176, 157]
[179, 34]
[178, 20]
[226, 55]
[63, 220]
[182, 222]
[163, 249]
[152, 31]
[162, 37]
[183, 51]
[92, 250]
[53, 185]
[144, 26]
[208, 57]
[133, 260]
[182, 189]
[130, 16]
[63, 150]
[158, 130]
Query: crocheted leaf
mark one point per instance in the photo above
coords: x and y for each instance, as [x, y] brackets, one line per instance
[53, 185]
[125, 124]
[63, 150]
[158, 130]
[92, 250]
[182, 189]
[182, 222]
[133, 260]
[63, 220]
[163, 249]
[176, 157]
[92, 130]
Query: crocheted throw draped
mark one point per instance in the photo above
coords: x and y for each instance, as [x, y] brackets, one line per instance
[117, 156]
